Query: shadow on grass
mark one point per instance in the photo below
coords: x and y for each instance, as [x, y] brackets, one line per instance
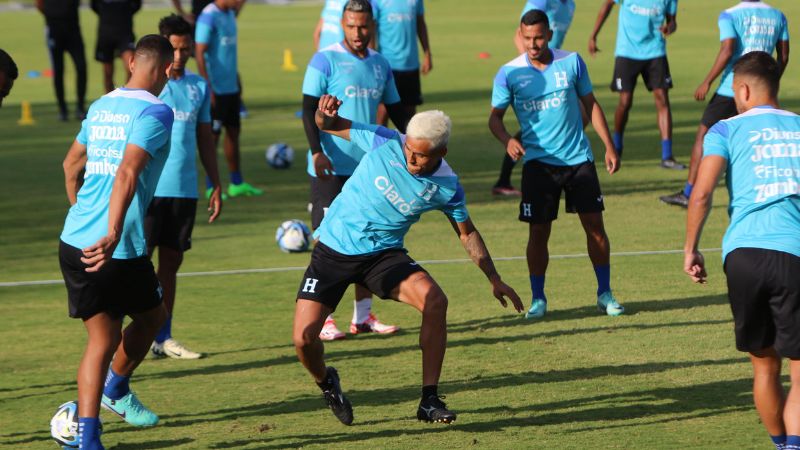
[154, 444]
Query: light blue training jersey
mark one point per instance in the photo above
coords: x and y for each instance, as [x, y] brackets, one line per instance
[547, 106]
[190, 101]
[639, 29]
[217, 29]
[397, 31]
[121, 117]
[361, 84]
[382, 199]
[331, 23]
[559, 13]
[762, 147]
[755, 26]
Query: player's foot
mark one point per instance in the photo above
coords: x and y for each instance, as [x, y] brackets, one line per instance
[243, 111]
[210, 191]
[62, 116]
[607, 304]
[330, 332]
[336, 400]
[131, 410]
[243, 190]
[677, 199]
[537, 310]
[372, 325]
[672, 164]
[507, 191]
[157, 351]
[175, 349]
[433, 409]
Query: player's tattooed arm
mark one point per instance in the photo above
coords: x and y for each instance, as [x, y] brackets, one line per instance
[74, 164]
[477, 251]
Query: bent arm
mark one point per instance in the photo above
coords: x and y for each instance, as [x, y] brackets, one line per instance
[726, 49]
[74, 164]
[783, 55]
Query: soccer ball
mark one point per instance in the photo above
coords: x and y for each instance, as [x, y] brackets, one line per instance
[280, 155]
[293, 236]
[64, 425]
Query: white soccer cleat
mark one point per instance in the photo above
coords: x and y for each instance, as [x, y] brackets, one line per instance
[330, 332]
[157, 351]
[175, 349]
[372, 325]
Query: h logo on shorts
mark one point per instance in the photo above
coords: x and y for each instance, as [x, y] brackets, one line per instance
[526, 210]
[561, 79]
[310, 285]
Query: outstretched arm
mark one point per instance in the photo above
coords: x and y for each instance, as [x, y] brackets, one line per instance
[328, 119]
[726, 49]
[605, 10]
[711, 168]
[476, 249]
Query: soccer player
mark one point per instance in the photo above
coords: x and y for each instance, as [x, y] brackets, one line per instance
[748, 26]
[114, 35]
[758, 149]
[642, 50]
[361, 241]
[560, 14]
[111, 171]
[329, 28]
[64, 35]
[216, 53]
[347, 69]
[546, 87]
[8, 73]
[170, 218]
[400, 23]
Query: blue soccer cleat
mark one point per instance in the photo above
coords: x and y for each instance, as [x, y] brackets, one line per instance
[607, 304]
[131, 410]
[538, 309]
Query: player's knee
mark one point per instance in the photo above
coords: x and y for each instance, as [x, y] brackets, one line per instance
[304, 338]
[435, 302]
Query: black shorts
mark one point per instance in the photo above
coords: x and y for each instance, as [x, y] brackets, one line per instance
[110, 45]
[654, 72]
[330, 273]
[542, 185]
[121, 287]
[225, 112]
[764, 293]
[169, 222]
[322, 194]
[719, 108]
[408, 86]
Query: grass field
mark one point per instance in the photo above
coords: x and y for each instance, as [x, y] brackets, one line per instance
[665, 375]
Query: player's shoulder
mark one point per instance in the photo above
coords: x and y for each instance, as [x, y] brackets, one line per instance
[519, 61]
[195, 79]
[565, 55]
[374, 54]
[210, 8]
[445, 175]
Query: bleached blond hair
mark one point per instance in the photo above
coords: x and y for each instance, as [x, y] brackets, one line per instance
[433, 126]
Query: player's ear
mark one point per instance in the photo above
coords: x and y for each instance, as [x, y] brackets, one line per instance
[443, 151]
[549, 35]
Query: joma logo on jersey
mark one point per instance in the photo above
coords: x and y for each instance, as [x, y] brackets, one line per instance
[359, 92]
[555, 101]
[389, 190]
[107, 132]
[398, 17]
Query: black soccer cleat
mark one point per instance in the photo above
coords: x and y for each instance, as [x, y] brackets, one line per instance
[433, 409]
[677, 199]
[336, 400]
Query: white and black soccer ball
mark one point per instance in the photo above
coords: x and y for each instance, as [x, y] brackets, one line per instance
[280, 155]
[64, 425]
[293, 236]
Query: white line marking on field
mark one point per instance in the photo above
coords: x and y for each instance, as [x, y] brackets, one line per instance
[428, 262]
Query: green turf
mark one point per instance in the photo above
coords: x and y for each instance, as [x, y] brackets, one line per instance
[665, 375]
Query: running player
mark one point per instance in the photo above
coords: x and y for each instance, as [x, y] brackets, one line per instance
[560, 14]
[546, 88]
[114, 35]
[329, 27]
[170, 218]
[361, 241]
[347, 69]
[642, 50]
[8, 73]
[761, 248]
[111, 171]
[216, 55]
[738, 36]
[64, 35]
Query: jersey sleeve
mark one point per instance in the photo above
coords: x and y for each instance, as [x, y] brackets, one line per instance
[541, 5]
[726, 28]
[784, 28]
[369, 137]
[315, 82]
[152, 128]
[456, 208]
[501, 94]
[716, 141]
[584, 83]
[204, 28]
[81, 137]
[390, 94]
[420, 7]
[672, 7]
[204, 115]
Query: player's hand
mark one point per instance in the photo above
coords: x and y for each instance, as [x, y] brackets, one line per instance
[329, 105]
[322, 165]
[515, 149]
[502, 290]
[98, 254]
[593, 47]
[668, 28]
[214, 204]
[427, 63]
[613, 162]
[702, 91]
[695, 266]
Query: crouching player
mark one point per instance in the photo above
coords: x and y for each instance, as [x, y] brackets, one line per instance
[361, 241]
